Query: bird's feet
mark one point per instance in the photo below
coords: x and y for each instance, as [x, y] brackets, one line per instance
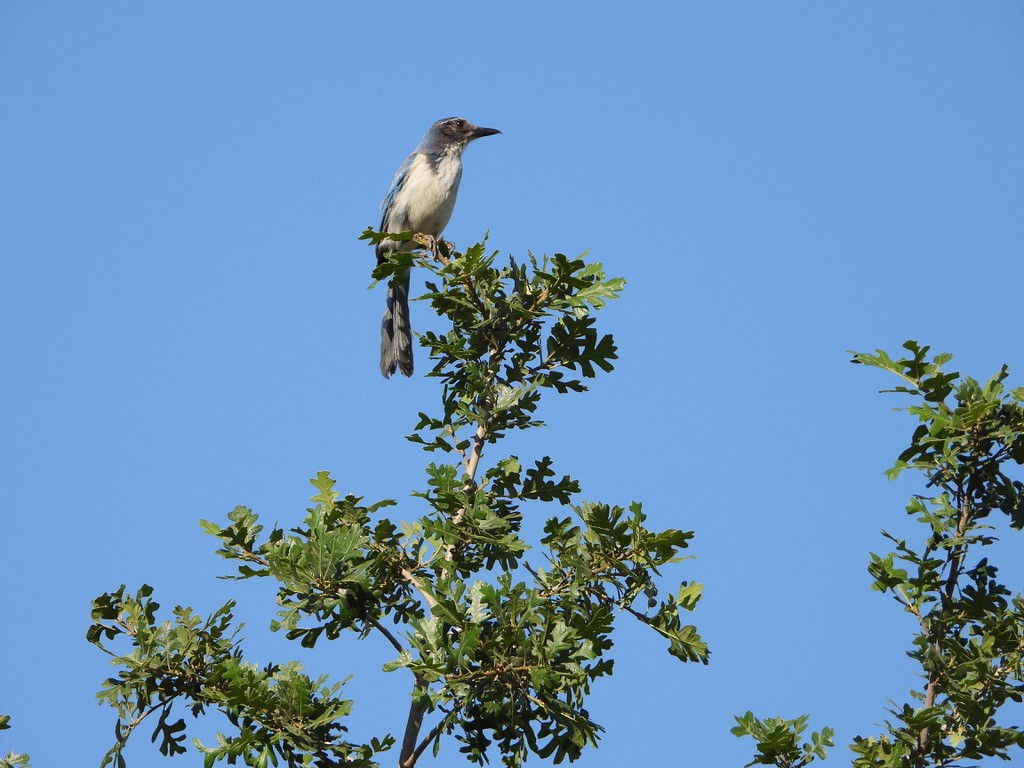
[424, 241]
[441, 249]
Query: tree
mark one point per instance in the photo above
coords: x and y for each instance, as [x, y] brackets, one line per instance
[970, 635]
[502, 642]
[503, 637]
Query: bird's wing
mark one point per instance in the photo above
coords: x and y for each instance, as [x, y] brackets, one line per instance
[396, 186]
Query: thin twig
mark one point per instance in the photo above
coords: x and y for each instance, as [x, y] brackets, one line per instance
[386, 632]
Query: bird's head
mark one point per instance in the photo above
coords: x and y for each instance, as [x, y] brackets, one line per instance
[456, 130]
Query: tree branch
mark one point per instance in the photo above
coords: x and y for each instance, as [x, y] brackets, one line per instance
[386, 632]
[413, 724]
[434, 733]
[955, 559]
[410, 577]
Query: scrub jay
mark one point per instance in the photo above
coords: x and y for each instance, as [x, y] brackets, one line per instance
[421, 200]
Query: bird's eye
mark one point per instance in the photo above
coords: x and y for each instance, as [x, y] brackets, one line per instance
[460, 123]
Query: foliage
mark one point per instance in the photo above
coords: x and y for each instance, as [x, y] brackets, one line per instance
[280, 713]
[502, 648]
[11, 759]
[778, 741]
[970, 635]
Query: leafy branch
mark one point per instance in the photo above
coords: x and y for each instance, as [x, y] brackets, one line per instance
[778, 741]
[279, 712]
[971, 626]
[11, 759]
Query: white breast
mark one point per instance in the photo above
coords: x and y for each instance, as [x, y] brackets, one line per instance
[427, 198]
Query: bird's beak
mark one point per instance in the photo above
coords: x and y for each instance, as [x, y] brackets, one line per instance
[478, 132]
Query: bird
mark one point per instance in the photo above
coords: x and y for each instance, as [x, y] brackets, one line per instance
[421, 200]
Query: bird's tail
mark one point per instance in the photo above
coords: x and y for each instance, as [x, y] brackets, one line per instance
[396, 330]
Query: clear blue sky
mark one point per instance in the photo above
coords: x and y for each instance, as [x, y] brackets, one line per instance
[187, 326]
